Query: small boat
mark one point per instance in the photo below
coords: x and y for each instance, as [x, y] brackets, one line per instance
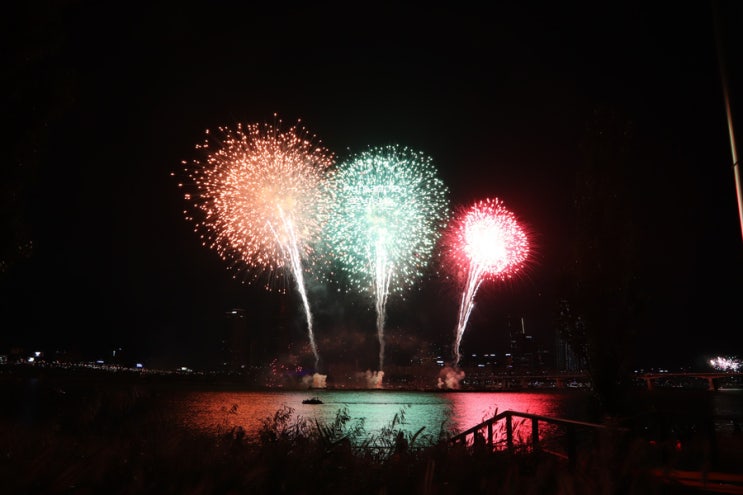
[313, 400]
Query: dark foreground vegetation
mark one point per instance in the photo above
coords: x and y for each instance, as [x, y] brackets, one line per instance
[119, 439]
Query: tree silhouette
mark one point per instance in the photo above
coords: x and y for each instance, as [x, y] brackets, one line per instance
[597, 314]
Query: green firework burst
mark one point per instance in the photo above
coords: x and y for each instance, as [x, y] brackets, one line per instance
[390, 209]
[390, 205]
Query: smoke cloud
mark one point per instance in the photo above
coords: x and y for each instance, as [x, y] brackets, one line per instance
[450, 378]
[315, 381]
[373, 378]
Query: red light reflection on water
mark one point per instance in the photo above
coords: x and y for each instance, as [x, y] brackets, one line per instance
[472, 408]
[453, 412]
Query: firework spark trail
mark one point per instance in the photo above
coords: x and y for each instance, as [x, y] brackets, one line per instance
[260, 199]
[390, 208]
[484, 242]
[383, 274]
[474, 280]
[291, 253]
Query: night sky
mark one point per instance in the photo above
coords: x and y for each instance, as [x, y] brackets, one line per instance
[101, 104]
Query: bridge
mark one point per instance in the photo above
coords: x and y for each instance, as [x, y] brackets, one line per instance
[713, 380]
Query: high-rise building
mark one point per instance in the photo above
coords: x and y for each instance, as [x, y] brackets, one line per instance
[523, 348]
[238, 351]
[565, 358]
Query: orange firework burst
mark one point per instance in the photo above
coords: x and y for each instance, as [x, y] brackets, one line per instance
[260, 198]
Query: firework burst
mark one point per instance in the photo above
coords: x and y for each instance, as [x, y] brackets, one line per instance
[259, 199]
[723, 363]
[484, 242]
[390, 208]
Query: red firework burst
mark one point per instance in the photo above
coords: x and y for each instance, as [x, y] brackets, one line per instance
[486, 239]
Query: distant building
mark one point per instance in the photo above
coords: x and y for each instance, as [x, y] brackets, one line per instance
[523, 349]
[565, 358]
[238, 349]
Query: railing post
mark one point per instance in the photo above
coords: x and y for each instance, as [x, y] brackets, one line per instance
[490, 434]
[572, 447]
[509, 432]
[535, 434]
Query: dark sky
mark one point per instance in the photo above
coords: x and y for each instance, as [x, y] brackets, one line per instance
[103, 103]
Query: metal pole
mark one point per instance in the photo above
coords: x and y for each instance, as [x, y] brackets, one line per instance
[726, 95]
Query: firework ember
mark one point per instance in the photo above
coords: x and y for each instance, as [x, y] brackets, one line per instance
[723, 363]
[483, 242]
[390, 208]
[260, 197]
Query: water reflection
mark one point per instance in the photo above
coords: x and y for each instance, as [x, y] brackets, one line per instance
[473, 408]
[435, 412]
[470, 409]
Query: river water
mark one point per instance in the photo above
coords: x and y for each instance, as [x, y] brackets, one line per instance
[209, 409]
[435, 412]
[452, 411]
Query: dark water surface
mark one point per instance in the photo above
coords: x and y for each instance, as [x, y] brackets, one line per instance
[451, 411]
[434, 411]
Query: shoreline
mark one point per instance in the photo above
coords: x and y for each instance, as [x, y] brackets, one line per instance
[110, 375]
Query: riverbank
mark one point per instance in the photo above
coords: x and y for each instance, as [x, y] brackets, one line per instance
[79, 432]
